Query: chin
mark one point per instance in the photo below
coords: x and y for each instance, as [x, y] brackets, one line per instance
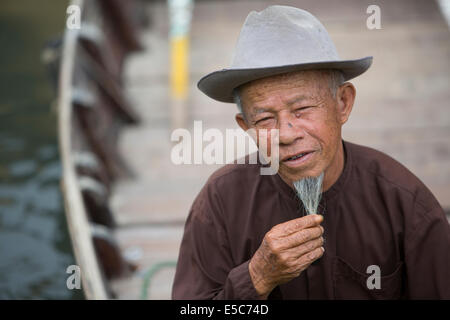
[300, 174]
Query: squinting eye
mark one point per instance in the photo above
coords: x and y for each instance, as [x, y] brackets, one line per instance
[264, 119]
[298, 111]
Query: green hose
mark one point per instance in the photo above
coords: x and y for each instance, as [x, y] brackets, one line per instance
[150, 273]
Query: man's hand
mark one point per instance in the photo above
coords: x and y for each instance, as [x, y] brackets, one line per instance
[286, 250]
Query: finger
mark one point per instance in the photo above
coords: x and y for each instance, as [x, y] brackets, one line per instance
[292, 254]
[308, 247]
[295, 225]
[303, 236]
[310, 257]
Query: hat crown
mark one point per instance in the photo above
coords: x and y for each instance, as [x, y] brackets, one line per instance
[282, 35]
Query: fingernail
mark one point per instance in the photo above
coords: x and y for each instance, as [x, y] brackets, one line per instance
[319, 218]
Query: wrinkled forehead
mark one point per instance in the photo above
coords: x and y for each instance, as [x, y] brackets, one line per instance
[309, 84]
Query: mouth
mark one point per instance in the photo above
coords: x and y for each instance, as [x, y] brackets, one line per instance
[299, 158]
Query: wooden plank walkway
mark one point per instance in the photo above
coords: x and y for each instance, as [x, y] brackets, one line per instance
[402, 108]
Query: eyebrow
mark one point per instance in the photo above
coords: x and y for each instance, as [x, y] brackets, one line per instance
[289, 103]
[261, 110]
[297, 99]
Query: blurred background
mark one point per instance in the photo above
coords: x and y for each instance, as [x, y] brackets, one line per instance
[87, 113]
[35, 247]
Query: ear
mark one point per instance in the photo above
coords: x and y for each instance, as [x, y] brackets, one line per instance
[345, 98]
[241, 121]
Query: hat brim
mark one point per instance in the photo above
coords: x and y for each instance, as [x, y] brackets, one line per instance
[219, 85]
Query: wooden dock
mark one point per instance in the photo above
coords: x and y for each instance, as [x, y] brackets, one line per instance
[402, 108]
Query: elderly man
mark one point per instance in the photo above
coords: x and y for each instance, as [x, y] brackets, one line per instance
[379, 234]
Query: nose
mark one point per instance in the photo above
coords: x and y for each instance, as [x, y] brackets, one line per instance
[288, 130]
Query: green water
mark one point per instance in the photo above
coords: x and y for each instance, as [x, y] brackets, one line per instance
[35, 248]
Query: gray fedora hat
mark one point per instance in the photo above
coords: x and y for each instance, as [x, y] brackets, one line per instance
[276, 40]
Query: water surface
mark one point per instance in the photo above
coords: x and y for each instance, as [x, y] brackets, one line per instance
[35, 247]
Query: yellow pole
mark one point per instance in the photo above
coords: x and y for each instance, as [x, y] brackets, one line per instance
[180, 13]
[179, 66]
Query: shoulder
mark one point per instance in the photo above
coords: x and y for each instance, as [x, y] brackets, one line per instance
[235, 175]
[226, 184]
[390, 173]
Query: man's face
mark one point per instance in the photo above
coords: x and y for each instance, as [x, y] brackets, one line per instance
[301, 106]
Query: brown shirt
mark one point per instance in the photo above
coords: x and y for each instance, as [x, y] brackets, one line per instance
[377, 213]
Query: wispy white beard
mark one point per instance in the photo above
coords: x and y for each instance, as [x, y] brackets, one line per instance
[309, 191]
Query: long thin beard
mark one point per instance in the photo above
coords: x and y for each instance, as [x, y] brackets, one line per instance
[309, 191]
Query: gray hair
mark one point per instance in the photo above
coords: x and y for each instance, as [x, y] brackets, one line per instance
[336, 78]
[309, 191]
[237, 99]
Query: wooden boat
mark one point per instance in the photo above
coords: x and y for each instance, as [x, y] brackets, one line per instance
[92, 111]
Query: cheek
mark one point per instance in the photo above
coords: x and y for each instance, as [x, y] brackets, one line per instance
[325, 129]
[330, 135]
[264, 135]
